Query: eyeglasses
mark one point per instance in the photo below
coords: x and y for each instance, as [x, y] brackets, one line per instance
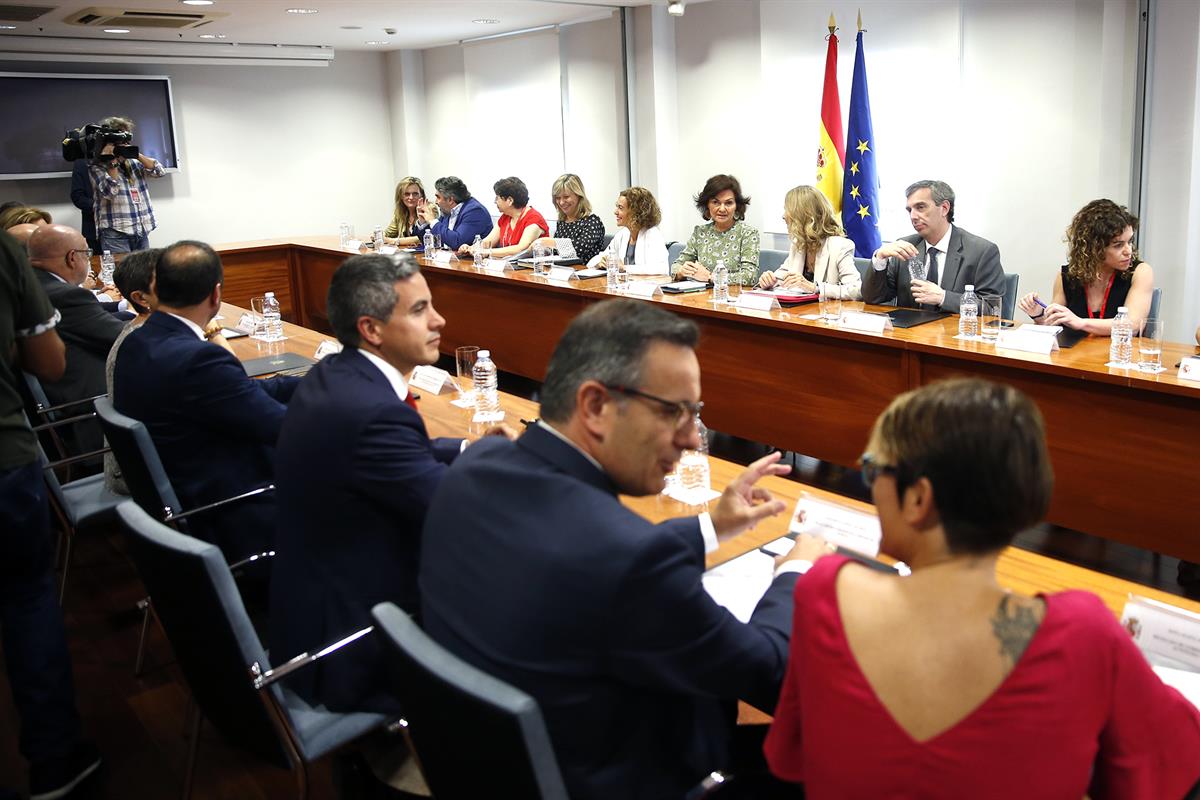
[871, 469]
[681, 411]
[87, 253]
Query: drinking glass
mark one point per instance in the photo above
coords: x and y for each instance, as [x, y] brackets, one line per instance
[260, 320]
[831, 304]
[991, 311]
[918, 268]
[1150, 346]
[464, 363]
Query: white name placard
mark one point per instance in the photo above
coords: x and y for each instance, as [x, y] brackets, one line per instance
[642, 289]
[430, 379]
[442, 257]
[246, 324]
[864, 322]
[757, 301]
[1189, 368]
[1028, 341]
[1168, 635]
[327, 348]
[561, 273]
[495, 265]
[388, 250]
[844, 527]
[354, 244]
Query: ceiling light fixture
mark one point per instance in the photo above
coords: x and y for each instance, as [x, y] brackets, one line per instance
[486, 21]
[208, 36]
[675, 8]
[301, 11]
[8, 27]
[197, 2]
[350, 27]
[375, 42]
[116, 30]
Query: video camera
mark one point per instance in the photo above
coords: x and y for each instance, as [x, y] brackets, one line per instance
[88, 141]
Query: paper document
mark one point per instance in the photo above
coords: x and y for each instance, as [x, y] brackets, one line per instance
[1188, 683]
[739, 584]
[839, 525]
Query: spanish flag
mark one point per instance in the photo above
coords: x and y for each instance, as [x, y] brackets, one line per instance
[831, 152]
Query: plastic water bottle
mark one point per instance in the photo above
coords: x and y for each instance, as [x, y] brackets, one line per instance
[694, 475]
[613, 279]
[377, 237]
[427, 243]
[344, 234]
[968, 313]
[483, 375]
[107, 265]
[1120, 346]
[272, 318]
[477, 252]
[720, 280]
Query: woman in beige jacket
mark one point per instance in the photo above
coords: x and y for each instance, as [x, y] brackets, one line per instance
[819, 257]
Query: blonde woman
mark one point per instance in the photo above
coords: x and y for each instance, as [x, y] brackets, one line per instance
[407, 226]
[576, 220]
[819, 254]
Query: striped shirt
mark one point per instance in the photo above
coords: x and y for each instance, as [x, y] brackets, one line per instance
[123, 203]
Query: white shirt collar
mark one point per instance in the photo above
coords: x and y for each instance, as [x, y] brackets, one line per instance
[544, 426]
[56, 276]
[196, 329]
[392, 374]
[944, 245]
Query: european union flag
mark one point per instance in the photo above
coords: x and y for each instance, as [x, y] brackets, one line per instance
[860, 192]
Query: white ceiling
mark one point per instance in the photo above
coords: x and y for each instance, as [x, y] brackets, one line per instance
[418, 23]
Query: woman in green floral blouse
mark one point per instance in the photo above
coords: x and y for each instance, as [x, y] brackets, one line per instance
[725, 237]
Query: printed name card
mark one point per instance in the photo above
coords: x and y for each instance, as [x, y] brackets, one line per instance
[327, 348]
[757, 301]
[442, 257]
[838, 525]
[1167, 635]
[354, 244]
[1041, 339]
[643, 289]
[247, 323]
[430, 379]
[388, 250]
[865, 322]
[495, 265]
[1189, 368]
[561, 273]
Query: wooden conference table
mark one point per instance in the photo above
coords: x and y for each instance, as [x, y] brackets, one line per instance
[1123, 444]
[1020, 570]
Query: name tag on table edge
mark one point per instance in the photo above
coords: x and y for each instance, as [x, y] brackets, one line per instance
[388, 250]
[865, 322]
[844, 527]
[643, 289]
[1043, 342]
[1189, 368]
[1166, 634]
[442, 257]
[561, 273]
[430, 379]
[353, 245]
[757, 301]
[496, 265]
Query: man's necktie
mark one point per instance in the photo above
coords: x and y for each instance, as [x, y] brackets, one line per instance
[932, 274]
[410, 400]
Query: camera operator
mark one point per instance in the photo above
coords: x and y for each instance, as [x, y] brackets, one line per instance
[124, 217]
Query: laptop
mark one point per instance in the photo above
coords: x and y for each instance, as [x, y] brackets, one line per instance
[286, 363]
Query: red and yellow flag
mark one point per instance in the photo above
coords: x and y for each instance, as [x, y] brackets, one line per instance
[831, 152]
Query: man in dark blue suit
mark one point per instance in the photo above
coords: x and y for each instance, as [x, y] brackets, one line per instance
[355, 469]
[214, 427]
[533, 570]
[463, 217]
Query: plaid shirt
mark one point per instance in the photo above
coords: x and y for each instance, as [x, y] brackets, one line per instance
[115, 207]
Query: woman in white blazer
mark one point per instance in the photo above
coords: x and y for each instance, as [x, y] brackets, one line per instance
[819, 256]
[639, 243]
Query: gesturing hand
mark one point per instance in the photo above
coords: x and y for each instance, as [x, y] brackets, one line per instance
[743, 504]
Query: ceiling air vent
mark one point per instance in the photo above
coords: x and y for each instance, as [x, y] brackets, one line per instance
[22, 13]
[127, 18]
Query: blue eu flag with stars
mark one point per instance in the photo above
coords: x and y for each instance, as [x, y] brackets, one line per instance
[860, 191]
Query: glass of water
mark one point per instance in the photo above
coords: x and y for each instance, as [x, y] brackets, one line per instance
[1150, 346]
[831, 304]
[918, 268]
[991, 312]
[464, 364]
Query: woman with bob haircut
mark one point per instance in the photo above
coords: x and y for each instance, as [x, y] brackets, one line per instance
[519, 222]
[820, 256]
[638, 241]
[724, 237]
[576, 220]
[407, 227]
[1102, 273]
[944, 684]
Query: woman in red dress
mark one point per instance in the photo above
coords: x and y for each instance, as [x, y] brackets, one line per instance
[944, 684]
[519, 224]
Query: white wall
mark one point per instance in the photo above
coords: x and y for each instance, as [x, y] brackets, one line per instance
[265, 151]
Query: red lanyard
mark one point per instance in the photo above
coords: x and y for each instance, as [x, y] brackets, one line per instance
[1103, 305]
[509, 232]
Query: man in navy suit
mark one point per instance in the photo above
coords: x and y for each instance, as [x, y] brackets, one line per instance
[533, 570]
[214, 427]
[463, 217]
[355, 469]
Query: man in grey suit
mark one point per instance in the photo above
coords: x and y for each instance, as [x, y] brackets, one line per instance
[59, 255]
[954, 258]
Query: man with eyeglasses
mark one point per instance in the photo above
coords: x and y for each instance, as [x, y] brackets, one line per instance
[533, 570]
[61, 259]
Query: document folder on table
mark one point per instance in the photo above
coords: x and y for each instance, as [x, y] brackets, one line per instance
[912, 317]
[291, 363]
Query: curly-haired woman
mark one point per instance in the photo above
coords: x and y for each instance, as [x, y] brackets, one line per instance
[1102, 273]
[638, 241]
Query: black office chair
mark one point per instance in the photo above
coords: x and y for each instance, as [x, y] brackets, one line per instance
[223, 660]
[1011, 281]
[673, 251]
[863, 265]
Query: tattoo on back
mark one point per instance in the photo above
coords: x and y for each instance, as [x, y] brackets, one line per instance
[1013, 626]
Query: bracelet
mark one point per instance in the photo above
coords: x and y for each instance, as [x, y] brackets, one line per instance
[1039, 316]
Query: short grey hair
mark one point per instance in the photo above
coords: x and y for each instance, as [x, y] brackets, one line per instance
[365, 286]
[940, 190]
[608, 343]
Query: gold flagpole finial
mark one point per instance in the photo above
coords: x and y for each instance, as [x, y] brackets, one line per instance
[832, 24]
[860, 27]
